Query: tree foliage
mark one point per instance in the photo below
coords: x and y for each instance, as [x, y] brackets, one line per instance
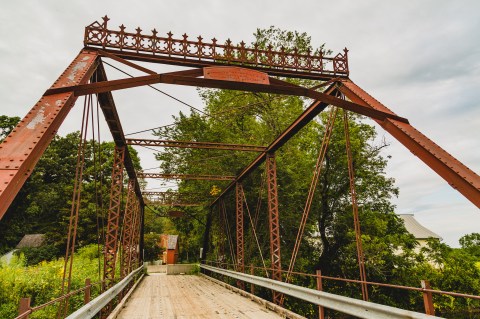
[257, 118]
[42, 282]
[7, 124]
[329, 241]
[44, 202]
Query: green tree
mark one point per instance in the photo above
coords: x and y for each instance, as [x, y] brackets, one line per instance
[43, 204]
[7, 124]
[471, 243]
[257, 118]
[451, 269]
[152, 249]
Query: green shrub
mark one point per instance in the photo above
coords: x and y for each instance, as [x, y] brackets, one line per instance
[35, 255]
[195, 270]
[42, 282]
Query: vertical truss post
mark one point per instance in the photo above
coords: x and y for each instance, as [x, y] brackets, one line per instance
[128, 230]
[356, 219]
[135, 258]
[240, 244]
[141, 231]
[206, 235]
[111, 236]
[136, 240]
[273, 218]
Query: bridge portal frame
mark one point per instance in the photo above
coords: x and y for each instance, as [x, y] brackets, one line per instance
[22, 149]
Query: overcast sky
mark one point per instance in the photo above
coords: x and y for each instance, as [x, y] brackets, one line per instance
[420, 58]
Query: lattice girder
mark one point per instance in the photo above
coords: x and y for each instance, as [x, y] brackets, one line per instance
[274, 222]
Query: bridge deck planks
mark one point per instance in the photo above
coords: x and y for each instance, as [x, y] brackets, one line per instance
[188, 297]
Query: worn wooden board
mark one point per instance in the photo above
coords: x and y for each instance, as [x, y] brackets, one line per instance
[188, 297]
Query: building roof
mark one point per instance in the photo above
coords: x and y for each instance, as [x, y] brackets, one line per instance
[172, 241]
[31, 240]
[417, 230]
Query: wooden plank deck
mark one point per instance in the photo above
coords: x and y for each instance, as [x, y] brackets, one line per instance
[188, 297]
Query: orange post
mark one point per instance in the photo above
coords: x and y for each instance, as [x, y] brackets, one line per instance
[88, 291]
[427, 298]
[24, 307]
[321, 311]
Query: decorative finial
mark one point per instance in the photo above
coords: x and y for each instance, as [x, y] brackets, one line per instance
[138, 30]
[105, 20]
[169, 34]
[199, 38]
[122, 28]
[154, 32]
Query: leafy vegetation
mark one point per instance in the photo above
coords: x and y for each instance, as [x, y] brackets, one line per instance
[42, 282]
[329, 243]
[152, 249]
[43, 204]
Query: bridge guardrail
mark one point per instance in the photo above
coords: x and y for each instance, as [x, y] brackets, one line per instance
[356, 307]
[93, 307]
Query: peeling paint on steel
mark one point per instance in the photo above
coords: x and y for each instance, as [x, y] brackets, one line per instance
[78, 67]
[38, 119]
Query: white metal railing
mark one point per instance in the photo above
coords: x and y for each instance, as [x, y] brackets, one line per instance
[93, 307]
[355, 307]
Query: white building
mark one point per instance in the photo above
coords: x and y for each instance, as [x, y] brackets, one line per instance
[420, 232]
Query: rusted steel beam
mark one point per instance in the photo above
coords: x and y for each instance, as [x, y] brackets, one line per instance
[198, 145]
[239, 231]
[23, 147]
[113, 220]
[181, 79]
[128, 230]
[128, 63]
[174, 204]
[274, 223]
[110, 113]
[185, 52]
[186, 176]
[449, 168]
[137, 237]
[173, 197]
[308, 115]
[173, 194]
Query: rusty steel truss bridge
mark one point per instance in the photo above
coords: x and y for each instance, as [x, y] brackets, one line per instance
[209, 65]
